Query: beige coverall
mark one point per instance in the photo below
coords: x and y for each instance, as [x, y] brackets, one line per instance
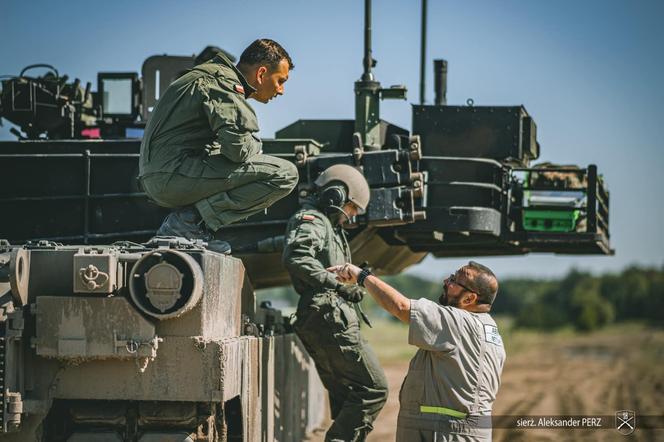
[453, 378]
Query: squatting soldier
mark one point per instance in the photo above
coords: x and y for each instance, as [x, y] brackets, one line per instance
[327, 314]
[200, 154]
[453, 378]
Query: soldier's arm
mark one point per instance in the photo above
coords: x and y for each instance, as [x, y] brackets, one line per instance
[234, 131]
[389, 298]
[303, 241]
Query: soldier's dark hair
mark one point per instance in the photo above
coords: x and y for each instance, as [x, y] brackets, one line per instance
[484, 282]
[265, 51]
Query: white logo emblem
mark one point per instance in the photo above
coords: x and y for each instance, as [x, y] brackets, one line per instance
[491, 335]
[625, 421]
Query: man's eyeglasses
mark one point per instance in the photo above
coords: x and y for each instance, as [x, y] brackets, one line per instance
[453, 279]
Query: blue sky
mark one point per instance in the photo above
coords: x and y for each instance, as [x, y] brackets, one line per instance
[585, 70]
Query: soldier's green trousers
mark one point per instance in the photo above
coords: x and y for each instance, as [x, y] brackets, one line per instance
[330, 330]
[223, 192]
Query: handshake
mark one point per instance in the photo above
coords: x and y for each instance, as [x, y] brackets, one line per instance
[347, 274]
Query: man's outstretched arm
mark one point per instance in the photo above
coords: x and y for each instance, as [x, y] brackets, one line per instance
[385, 295]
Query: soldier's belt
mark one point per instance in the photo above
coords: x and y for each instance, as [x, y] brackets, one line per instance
[442, 410]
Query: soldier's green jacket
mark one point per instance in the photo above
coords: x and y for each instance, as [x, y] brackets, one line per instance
[312, 245]
[329, 326]
[204, 111]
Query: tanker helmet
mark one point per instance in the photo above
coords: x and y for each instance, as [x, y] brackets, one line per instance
[354, 187]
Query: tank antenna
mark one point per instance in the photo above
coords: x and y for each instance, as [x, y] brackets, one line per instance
[368, 59]
[368, 94]
[423, 53]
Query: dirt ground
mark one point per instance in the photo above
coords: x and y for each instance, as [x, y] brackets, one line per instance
[556, 374]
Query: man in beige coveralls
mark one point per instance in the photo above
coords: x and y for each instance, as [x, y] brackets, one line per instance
[453, 378]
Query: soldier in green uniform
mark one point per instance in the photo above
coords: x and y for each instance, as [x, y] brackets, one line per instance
[327, 313]
[200, 154]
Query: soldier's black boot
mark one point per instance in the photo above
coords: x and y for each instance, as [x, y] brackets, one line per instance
[187, 223]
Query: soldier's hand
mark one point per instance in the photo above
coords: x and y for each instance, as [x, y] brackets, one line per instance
[352, 293]
[346, 273]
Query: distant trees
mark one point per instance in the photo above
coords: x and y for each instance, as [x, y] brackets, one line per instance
[585, 301]
[579, 299]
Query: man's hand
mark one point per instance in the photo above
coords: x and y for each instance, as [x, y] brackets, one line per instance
[352, 293]
[385, 295]
[346, 273]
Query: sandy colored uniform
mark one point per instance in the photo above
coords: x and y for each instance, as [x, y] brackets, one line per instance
[453, 378]
[200, 147]
[329, 327]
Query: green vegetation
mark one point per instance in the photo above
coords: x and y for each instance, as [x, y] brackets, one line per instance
[584, 301]
[389, 339]
[579, 300]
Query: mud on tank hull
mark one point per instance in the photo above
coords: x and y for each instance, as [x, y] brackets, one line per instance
[145, 343]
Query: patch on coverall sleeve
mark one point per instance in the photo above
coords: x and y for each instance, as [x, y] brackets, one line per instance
[491, 335]
[308, 217]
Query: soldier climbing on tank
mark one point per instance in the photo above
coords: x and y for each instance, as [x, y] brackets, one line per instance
[200, 155]
[327, 313]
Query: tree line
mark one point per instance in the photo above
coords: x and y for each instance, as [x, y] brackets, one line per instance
[583, 300]
[580, 299]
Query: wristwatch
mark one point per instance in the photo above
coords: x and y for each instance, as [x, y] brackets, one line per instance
[362, 276]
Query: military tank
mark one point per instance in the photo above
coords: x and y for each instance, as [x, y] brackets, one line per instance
[107, 335]
[153, 342]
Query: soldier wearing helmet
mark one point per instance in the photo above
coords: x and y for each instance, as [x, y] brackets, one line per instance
[327, 314]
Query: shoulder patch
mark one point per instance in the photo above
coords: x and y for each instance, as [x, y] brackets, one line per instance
[239, 89]
[491, 335]
[308, 217]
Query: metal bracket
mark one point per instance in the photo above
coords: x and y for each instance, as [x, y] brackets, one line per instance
[358, 148]
[5, 246]
[13, 408]
[301, 155]
[42, 244]
[92, 277]
[175, 242]
[417, 183]
[415, 147]
[249, 328]
[133, 346]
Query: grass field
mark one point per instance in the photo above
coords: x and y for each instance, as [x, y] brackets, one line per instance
[561, 373]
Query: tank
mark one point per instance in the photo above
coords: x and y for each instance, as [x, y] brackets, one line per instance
[154, 342]
[109, 335]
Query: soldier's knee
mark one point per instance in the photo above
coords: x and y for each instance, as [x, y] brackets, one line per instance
[289, 174]
[285, 176]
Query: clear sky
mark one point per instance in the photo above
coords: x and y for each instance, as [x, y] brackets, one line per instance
[586, 71]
